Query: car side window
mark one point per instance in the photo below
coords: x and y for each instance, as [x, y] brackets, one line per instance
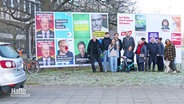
[8, 52]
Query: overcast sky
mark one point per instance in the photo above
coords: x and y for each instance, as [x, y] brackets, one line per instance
[161, 6]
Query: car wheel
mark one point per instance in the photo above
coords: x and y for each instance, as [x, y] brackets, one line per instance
[22, 86]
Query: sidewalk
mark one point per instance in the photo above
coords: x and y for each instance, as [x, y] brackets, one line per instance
[98, 95]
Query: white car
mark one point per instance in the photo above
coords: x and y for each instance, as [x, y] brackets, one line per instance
[12, 74]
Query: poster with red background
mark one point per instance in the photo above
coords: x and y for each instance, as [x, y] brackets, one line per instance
[176, 38]
[50, 43]
[39, 16]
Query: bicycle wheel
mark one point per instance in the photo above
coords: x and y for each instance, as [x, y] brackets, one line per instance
[25, 64]
[33, 67]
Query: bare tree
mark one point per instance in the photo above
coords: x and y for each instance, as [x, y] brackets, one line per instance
[21, 12]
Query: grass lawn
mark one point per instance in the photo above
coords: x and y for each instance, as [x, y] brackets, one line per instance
[85, 77]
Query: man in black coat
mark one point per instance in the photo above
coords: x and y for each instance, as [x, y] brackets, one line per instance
[153, 51]
[45, 32]
[94, 50]
[128, 41]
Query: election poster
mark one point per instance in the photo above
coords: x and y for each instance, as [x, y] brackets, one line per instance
[81, 26]
[82, 36]
[99, 24]
[46, 52]
[63, 25]
[44, 25]
[152, 26]
[62, 37]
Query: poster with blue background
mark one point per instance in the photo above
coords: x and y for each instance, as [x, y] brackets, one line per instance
[63, 25]
[153, 35]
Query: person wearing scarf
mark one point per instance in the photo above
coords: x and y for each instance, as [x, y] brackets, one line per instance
[141, 53]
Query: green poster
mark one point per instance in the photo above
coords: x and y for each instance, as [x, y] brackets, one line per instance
[78, 41]
[81, 56]
[81, 26]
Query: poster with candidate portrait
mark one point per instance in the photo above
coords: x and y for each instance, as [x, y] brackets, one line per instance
[68, 35]
[99, 24]
[81, 38]
[81, 56]
[44, 25]
[64, 51]
[46, 52]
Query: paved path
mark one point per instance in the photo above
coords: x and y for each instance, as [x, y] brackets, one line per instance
[98, 95]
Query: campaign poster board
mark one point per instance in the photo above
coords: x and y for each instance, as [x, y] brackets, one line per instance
[152, 25]
[62, 37]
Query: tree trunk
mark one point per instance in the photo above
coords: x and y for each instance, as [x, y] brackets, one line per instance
[27, 42]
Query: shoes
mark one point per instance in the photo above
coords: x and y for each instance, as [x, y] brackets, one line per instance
[94, 70]
[174, 71]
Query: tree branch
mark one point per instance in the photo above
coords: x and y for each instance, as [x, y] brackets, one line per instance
[63, 3]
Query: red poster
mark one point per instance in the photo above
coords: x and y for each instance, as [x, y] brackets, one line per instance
[44, 43]
[43, 16]
[176, 38]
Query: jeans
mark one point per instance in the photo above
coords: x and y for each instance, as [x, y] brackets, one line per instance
[113, 63]
[105, 60]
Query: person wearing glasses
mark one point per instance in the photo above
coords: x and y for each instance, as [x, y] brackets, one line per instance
[63, 54]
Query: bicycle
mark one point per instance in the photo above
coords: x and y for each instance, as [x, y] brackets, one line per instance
[32, 66]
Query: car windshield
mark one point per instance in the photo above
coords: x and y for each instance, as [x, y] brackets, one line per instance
[8, 52]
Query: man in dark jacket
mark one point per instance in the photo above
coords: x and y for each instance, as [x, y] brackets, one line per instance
[93, 51]
[160, 62]
[105, 44]
[153, 51]
[128, 41]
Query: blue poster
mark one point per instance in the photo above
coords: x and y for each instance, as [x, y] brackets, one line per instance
[63, 25]
[153, 35]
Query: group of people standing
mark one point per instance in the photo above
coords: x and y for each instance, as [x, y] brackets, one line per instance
[147, 54]
[111, 49]
[153, 53]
